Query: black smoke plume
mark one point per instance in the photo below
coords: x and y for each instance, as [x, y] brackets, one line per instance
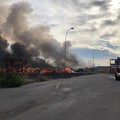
[34, 44]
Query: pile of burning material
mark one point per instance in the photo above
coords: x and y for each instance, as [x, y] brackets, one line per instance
[56, 73]
[30, 70]
[55, 70]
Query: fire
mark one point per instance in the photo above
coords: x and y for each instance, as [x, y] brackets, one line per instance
[30, 70]
[68, 70]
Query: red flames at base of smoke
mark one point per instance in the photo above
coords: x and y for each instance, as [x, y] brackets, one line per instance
[30, 70]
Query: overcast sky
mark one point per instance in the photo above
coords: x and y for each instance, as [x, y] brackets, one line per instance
[96, 25]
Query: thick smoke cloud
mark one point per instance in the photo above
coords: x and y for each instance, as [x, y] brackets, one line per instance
[3, 46]
[3, 49]
[32, 43]
[3, 11]
[17, 23]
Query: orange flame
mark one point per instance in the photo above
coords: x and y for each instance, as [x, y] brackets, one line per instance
[30, 70]
[68, 70]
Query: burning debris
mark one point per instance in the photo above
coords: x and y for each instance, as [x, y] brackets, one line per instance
[30, 70]
[33, 44]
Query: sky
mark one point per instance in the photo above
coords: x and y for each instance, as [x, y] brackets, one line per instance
[96, 26]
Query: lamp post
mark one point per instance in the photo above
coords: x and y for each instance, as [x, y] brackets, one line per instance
[65, 44]
[93, 59]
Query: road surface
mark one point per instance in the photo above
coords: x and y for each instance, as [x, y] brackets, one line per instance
[93, 97]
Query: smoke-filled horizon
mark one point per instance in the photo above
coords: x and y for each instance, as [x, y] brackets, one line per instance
[31, 43]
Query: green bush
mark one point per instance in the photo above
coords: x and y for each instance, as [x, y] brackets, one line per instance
[2, 75]
[12, 80]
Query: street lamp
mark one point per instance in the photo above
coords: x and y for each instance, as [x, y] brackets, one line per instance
[93, 58]
[65, 43]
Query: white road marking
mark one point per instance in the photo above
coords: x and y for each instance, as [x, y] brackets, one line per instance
[58, 84]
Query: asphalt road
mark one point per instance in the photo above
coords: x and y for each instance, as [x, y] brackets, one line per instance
[93, 97]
